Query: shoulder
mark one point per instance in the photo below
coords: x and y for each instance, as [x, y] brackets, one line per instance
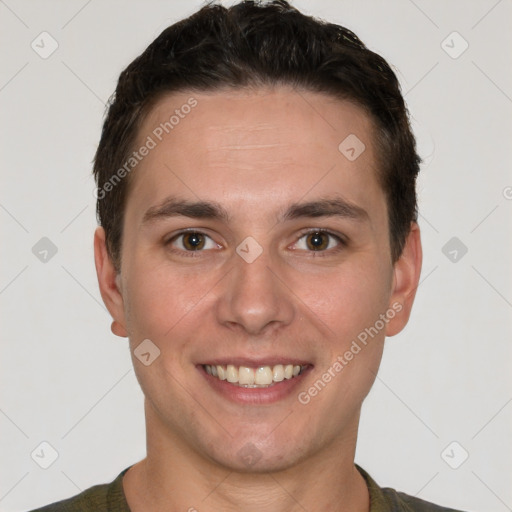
[100, 497]
[94, 498]
[414, 504]
[385, 499]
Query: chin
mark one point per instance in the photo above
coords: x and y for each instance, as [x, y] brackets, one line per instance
[252, 454]
[251, 460]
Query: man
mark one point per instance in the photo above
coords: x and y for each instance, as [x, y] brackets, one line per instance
[256, 196]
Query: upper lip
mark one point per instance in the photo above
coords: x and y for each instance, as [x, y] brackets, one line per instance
[256, 362]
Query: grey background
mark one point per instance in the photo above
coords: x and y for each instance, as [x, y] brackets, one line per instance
[66, 380]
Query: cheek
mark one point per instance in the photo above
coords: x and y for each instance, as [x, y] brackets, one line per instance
[158, 297]
[346, 300]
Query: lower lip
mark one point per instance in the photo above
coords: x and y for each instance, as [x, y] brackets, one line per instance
[255, 396]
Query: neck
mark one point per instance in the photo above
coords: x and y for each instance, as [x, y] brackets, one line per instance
[175, 477]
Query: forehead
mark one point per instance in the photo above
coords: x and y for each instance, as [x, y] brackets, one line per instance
[217, 142]
[273, 116]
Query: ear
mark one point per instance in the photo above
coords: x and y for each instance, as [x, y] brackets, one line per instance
[406, 272]
[109, 282]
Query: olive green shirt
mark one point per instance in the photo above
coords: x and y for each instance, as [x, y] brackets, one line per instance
[111, 498]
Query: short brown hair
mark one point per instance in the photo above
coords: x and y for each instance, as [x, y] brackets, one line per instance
[253, 44]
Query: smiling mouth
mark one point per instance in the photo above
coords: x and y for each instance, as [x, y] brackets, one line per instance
[258, 377]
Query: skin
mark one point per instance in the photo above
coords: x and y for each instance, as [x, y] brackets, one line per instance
[255, 152]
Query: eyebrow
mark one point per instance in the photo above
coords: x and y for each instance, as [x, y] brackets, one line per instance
[327, 207]
[173, 207]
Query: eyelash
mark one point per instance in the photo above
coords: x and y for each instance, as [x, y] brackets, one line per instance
[341, 242]
[181, 252]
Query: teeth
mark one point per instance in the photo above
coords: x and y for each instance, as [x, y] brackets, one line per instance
[221, 373]
[262, 376]
[231, 373]
[278, 373]
[245, 375]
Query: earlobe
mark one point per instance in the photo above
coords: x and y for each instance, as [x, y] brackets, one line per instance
[118, 329]
[406, 277]
[109, 283]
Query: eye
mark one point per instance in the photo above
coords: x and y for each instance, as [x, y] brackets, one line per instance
[192, 241]
[318, 240]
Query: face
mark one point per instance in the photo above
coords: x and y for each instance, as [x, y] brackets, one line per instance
[254, 249]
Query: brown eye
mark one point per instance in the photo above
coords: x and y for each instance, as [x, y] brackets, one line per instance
[317, 241]
[193, 241]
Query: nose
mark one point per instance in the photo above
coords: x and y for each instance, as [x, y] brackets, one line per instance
[253, 299]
